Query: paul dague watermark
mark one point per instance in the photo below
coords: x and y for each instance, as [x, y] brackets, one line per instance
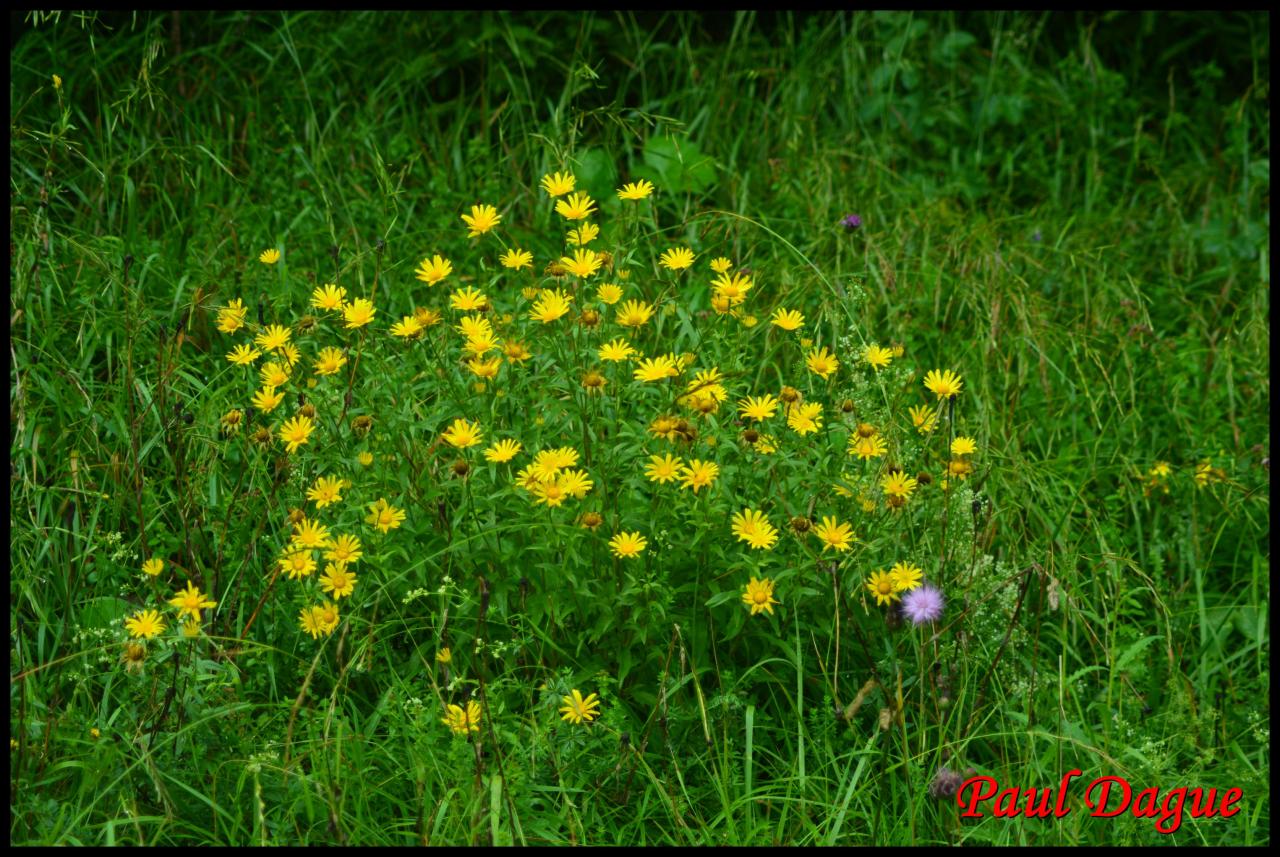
[1106, 797]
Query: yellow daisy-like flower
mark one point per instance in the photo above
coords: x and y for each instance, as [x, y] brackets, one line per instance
[269, 257]
[516, 352]
[656, 368]
[584, 263]
[384, 516]
[503, 451]
[883, 586]
[906, 576]
[310, 534]
[153, 566]
[462, 434]
[877, 357]
[433, 270]
[358, 313]
[577, 207]
[551, 493]
[297, 564]
[963, 446]
[243, 355]
[721, 264]
[758, 595]
[822, 362]
[676, 259]
[273, 338]
[444, 656]
[923, 417]
[584, 234]
[290, 354]
[944, 384]
[313, 622]
[231, 316]
[806, 418]
[481, 344]
[576, 709]
[326, 491]
[732, 287]
[516, 259]
[609, 293]
[698, 474]
[463, 722]
[328, 297]
[758, 407]
[295, 432]
[267, 399]
[625, 545]
[867, 447]
[481, 219]
[787, 319]
[593, 382]
[330, 361]
[190, 602]
[663, 469]
[468, 299]
[345, 549]
[634, 314]
[899, 484]
[558, 184]
[407, 328]
[365, 458]
[617, 350]
[337, 581]
[273, 375]
[754, 528]
[474, 326]
[551, 305]
[835, 534]
[144, 624]
[635, 190]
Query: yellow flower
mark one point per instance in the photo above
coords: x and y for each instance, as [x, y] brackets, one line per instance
[365, 458]
[384, 516]
[267, 399]
[663, 469]
[358, 313]
[584, 263]
[583, 235]
[269, 257]
[963, 446]
[617, 350]
[822, 362]
[626, 545]
[57, 82]
[656, 368]
[876, 356]
[273, 338]
[337, 581]
[944, 384]
[516, 259]
[634, 314]
[407, 327]
[474, 326]
[593, 382]
[273, 375]
[297, 564]
[758, 595]
[577, 207]
[721, 264]
[502, 451]
[296, 432]
[481, 219]
[905, 576]
[609, 293]
[635, 190]
[551, 305]
[732, 287]
[153, 566]
[231, 316]
[467, 299]
[462, 434]
[835, 534]
[676, 259]
[883, 586]
[243, 355]
[576, 709]
[806, 418]
[699, 474]
[754, 528]
[318, 621]
[433, 270]
[444, 656]
[558, 184]
[899, 484]
[345, 549]
[325, 491]
[310, 534]
[462, 722]
[516, 352]
[145, 624]
[923, 417]
[787, 319]
[328, 297]
[867, 447]
[329, 361]
[190, 602]
[758, 407]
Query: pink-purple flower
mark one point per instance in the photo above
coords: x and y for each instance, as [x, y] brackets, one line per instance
[923, 604]
[851, 222]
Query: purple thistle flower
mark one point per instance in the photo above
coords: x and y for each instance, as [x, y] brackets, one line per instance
[923, 604]
[851, 222]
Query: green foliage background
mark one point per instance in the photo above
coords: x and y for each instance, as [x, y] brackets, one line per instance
[1074, 208]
